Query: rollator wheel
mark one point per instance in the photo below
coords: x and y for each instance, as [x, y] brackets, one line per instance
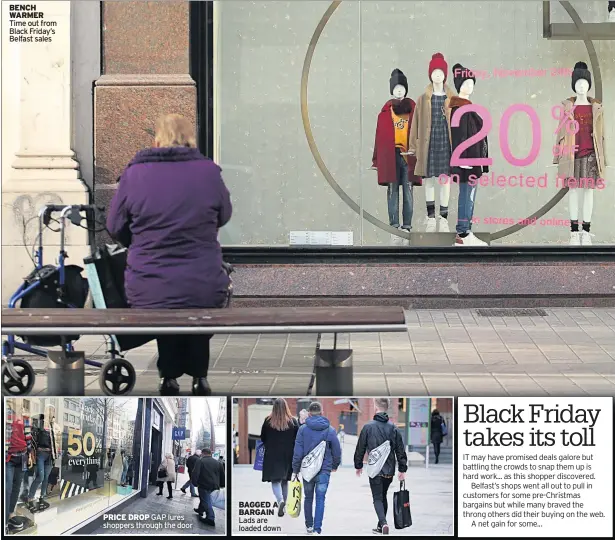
[17, 378]
[117, 377]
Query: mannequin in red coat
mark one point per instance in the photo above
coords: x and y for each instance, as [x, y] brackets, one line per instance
[395, 167]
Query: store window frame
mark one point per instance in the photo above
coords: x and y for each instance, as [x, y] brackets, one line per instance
[202, 59]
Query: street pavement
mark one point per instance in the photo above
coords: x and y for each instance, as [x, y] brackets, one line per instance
[179, 511]
[570, 351]
[349, 508]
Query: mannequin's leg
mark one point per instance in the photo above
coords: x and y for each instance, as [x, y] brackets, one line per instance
[430, 200]
[445, 195]
[588, 209]
[407, 196]
[573, 209]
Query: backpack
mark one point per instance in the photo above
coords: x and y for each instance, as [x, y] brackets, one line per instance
[444, 428]
[378, 457]
[312, 462]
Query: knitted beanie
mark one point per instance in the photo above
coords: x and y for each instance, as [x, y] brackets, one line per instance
[438, 62]
[461, 74]
[581, 72]
[397, 77]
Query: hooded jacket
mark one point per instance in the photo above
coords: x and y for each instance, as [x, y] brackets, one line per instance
[168, 208]
[383, 158]
[420, 129]
[376, 433]
[565, 163]
[470, 124]
[309, 436]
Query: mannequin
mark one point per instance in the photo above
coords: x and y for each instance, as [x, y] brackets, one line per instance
[469, 125]
[45, 456]
[395, 167]
[430, 141]
[584, 170]
[118, 467]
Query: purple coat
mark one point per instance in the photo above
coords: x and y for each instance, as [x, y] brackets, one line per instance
[168, 208]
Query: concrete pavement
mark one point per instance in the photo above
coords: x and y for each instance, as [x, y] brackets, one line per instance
[349, 508]
[568, 351]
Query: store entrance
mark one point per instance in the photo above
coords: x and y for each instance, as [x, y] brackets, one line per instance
[156, 455]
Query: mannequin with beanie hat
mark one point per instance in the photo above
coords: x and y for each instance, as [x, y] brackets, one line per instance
[395, 167]
[584, 170]
[430, 141]
[470, 124]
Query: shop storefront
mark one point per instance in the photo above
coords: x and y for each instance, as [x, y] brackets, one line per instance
[83, 457]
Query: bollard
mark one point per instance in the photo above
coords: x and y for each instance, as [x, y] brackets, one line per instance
[66, 373]
[333, 370]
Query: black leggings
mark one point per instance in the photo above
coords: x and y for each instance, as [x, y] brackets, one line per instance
[179, 355]
[169, 485]
[436, 449]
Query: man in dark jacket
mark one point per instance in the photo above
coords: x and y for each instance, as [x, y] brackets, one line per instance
[208, 476]
[190, 463]
[315, 430]
[373, 434]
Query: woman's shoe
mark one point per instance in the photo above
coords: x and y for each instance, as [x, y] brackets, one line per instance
[200, 387]
[159, 493]
[170, 497]
[169, 387]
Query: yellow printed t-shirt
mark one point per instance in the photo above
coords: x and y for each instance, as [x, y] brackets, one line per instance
[400, 123]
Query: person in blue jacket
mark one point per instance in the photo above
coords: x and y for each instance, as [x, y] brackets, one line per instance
[317, 428]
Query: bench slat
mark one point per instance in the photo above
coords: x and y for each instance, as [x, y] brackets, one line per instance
[232, 317]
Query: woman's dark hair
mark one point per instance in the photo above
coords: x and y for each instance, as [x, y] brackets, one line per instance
[435, 412]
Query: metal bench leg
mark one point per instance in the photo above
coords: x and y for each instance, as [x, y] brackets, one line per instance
[66, 373]
[333, 370]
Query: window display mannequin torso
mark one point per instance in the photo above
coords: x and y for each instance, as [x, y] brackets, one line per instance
[430, 141]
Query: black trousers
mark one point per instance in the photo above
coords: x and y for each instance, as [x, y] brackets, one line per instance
[169, 486]
[380, 486]
[436, 449]
[183, 355]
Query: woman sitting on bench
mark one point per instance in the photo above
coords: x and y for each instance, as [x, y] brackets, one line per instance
[170, 203]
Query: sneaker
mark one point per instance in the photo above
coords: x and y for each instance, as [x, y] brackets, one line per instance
[575, 238]
[469, 240]
[385, 529]
[281, 509]
[443, 224]
[309, 530]
[182, 490]
[198, 512]
[431, 225]
[586, 236]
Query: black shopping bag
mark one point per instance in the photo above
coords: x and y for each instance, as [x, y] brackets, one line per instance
[105, 270]
[401, 507]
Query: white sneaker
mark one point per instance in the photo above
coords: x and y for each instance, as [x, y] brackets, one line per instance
[443, 224]
[469, 240]
[431, 225]
[575, 238]
[586, 237]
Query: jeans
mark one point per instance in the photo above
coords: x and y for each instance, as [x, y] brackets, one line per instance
[179, 355]
[189, 484]
[280, 490]
[124, 473]
[393, 195]
[205, 505]
[43, 468]
[319, 483]
[467, 194]
[379, 486]
[14, 476]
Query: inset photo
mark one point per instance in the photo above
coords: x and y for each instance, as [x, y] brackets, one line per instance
[114, 465]
[343, 466]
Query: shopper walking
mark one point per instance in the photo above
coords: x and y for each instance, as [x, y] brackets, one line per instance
[316, 429]
[278, 435]
[303, 414]
[208, 476]
[166, 473]
[372, 436]
[437, 432]
[190, 463]
[170, 203]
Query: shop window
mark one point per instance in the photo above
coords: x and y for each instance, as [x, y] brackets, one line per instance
[295, 135]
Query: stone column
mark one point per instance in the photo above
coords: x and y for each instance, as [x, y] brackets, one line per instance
[44, 168]
[146, 73]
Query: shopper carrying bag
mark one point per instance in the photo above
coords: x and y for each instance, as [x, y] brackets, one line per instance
[401, 507]
[293, 503]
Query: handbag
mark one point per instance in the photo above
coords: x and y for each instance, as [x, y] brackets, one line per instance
[162, 473]
[218, 499]
[293, 503]
[401, 507]
[260, 456]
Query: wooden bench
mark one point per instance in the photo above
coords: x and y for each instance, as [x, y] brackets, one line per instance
[332, 368]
